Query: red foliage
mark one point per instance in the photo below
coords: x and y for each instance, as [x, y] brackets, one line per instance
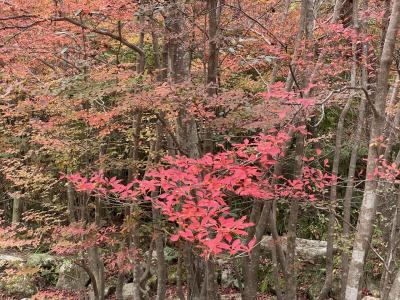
[193, 193]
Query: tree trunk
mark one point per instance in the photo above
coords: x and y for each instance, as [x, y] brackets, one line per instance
[391, 251]
[158, 233]
[17, 208]
[349, 192]
[291, 287]
[305, 29]
[95, 262]
[394, 293]
[71, 203]
[332, 204]
[368, 207]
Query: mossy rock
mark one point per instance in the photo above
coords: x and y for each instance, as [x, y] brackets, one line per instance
[71, 277]
[42, 260]
[19, 285]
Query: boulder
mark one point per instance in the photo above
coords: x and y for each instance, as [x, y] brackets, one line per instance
[71, 277]
[42, 260]
[107, 292]
[237, 296]
[10, 260]
[306, 249]
[127, 291]
[18, 285]
[20, 279]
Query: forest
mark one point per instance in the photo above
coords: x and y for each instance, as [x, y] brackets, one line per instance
[200, 149]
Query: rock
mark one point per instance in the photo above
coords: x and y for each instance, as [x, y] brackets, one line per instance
[21, 285]
[10, 260]
[237, 296]
[41, 260]
[127, 291]
[373, 286]
[108, 290]
[225, 278]
[72, 277]
[370, 298]
[20, 280]
[306, 249]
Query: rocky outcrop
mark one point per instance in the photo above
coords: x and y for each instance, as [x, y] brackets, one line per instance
[127, 291]
[306, 249]
[16, 278]
[42, 260]
[10, 260]
[72, 277]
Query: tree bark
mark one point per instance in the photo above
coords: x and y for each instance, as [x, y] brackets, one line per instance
[292, 224]
[158, 233]
[394, 293]
[16, 209]
[349, 192]
[391, 252]
[332, 204]
[368, 207]
[71, 203]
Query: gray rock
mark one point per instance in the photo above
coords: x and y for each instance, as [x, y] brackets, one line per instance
[10, 260]
[71, 277]
[127, 291]
[306, 249]
[21, 285]
[237, 296]
[41, 260]
[107, 291]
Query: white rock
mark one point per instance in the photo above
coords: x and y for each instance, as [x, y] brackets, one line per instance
[127, 291]
[237, 296]
[72, 277]
[307, 249]
[5, 259]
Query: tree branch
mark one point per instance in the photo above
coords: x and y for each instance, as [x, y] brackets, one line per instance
[104, 32]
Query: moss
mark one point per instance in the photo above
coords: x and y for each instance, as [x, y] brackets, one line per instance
[18, 285]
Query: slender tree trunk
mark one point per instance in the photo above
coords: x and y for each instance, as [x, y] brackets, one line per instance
[158, 233]
[142, 58]
[156, 50]
[291, 287]
[392, 124]
[212, 73]
[391, 253]
[209, 288]
[17, 208]
[394, 293]
[262, 214]
[71, 203]
[133, 241]
[179, 280]
[120, 283]
[95, 262]
[186, 127]
[332, 204]
[212, 66]
[135, 258]
[337, 9]
[305, 29]
[349, 193]
[368, 207]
